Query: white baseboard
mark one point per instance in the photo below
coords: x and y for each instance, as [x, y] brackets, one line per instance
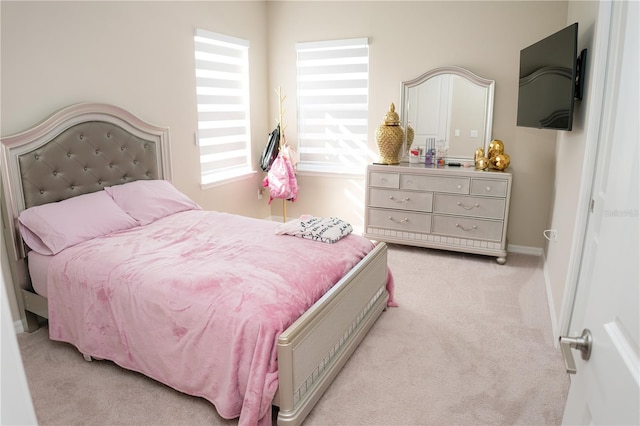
[534, 251]
[18, 327]
[552, 311]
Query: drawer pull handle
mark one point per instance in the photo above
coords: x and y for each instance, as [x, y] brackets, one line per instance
[468, 208]
[466, 229]
[459, 186]
[398, 201]
[401, 221]
[488, 189]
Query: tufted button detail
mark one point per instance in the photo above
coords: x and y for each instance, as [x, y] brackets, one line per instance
[111, 166]
[69, 154]
[135, 161]
[122, 148]
[99, 182]
[108, 134]
[36, 156]
[42, 191]
[55, 173]
[148, 174]
[85, 169]
[97, 152]
[81, 136]
[72, 187]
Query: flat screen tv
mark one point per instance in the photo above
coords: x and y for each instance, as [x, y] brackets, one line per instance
[551, 79]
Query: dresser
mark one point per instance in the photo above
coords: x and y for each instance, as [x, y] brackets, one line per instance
[450, 208]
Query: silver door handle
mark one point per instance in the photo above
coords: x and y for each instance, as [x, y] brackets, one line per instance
[582, 343]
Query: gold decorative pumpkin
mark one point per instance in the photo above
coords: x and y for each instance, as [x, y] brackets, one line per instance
[482, 163]
[390, 137]
[497, 160]
[500, 161]
[496, 147]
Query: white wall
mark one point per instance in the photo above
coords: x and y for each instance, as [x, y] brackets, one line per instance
[407, 39]
[572, 151]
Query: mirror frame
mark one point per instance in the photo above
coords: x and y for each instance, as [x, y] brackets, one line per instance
[464, 73]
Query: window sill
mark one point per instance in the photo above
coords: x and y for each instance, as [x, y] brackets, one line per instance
[332, 175]
[222, 182]
[329, 173]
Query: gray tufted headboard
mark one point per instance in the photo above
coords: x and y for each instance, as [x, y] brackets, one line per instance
[78, 150]
[84, 158]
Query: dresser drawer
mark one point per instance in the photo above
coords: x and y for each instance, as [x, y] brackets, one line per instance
[384, 180]
[399, 220]
[401, 200]
[489, 187]
[455, 185]
[480, 229]
[482, 207]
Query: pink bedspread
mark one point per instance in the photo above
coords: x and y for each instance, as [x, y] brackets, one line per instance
[196, 300]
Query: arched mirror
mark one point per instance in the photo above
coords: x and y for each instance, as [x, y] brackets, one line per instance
[450, 105]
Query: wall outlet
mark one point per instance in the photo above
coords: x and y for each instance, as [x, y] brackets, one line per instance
[260, 192]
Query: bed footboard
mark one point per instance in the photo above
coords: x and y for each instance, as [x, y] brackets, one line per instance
[314, 349]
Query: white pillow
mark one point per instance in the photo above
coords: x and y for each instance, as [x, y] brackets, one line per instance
[50, 228]
[149, 200]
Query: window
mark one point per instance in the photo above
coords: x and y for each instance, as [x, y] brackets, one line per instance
[222, 89]
[333, 98]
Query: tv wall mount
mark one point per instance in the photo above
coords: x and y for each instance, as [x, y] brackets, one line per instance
[581, 62]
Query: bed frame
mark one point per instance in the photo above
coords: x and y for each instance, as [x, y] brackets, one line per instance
[85, 147]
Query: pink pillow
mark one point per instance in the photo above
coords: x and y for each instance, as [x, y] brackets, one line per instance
[149, 200]
[50, 228]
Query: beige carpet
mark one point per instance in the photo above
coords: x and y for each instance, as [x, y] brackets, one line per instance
[470, 344]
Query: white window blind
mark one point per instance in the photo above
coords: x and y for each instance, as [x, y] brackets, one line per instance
[222, 89]
[333, 99]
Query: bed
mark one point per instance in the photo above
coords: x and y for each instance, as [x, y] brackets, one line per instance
[86, 157]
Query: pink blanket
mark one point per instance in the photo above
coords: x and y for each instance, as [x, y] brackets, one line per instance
[196, 300]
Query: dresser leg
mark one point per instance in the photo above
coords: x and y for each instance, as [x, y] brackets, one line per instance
[501, 260]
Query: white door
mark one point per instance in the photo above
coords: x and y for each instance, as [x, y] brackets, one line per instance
[605, 389]
[432, 106]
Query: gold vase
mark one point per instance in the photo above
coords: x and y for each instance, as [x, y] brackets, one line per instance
[389, 137]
